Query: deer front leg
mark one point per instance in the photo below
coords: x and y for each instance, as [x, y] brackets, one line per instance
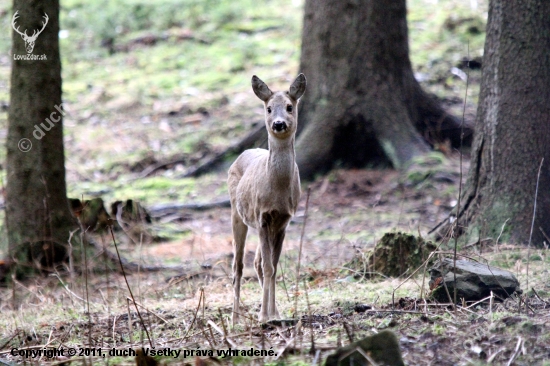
[239, 236]
[266, 262]
[267, 272]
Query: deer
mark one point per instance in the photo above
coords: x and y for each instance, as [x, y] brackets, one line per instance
[264, 190]
[29, 40]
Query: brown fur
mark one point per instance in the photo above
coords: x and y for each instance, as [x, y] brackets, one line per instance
[264, 186]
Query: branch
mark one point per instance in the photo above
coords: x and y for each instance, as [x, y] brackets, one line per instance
[248, 141]
[160, 209]
[128, 265]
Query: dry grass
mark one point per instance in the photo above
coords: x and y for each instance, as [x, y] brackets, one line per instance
[348, 211]
[42, 313]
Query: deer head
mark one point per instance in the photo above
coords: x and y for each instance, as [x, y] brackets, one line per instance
[29, 40]
[280, 107]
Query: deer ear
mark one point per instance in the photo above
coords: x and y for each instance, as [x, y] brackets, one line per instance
[298, 87]
[260, 89]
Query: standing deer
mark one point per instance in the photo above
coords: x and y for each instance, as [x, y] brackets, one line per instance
[264, 187]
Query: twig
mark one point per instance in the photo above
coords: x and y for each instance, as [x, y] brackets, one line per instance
[491, 306]
[480, 301]
[460, 176]
[130, 326]
[348, 331]
[300, 255]
[148, 310]
[283, 277]
[402, 311]
[501, 231]
[65, 287]
[9, 340]
[533, 222]
[538, 297]
[361, 352]
[544, 234]
[128, 286]
[228, 341]
[194, 316]
[211, 343]
[453, 301]
[85, 251]
[203, 303]
[412, 274]
[48, 343]
[114, 329]
[363, 272]
[312, 350]
[516, 352]
[491, 358]
[223, 325]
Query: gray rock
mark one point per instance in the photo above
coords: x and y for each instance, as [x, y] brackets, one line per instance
[474, 281]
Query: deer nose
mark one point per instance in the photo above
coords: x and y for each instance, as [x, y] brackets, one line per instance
[279, 126]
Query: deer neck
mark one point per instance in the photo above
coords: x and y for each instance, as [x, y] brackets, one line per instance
[281, 163]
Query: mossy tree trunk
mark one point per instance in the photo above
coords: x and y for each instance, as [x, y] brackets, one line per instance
[512, 129]
[363, 103]
[37, 212]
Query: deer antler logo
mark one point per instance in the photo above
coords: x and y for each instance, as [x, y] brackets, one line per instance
[29, 40]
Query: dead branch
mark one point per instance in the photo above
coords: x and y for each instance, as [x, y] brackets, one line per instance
[162, 209]
[153, 168]
[128, 265]
[259, 133]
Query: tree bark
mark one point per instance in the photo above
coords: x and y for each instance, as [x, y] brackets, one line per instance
[363, 103]
[512, 129]
[37, 211]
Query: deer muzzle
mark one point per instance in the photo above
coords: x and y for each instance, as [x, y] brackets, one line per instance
[279, 126]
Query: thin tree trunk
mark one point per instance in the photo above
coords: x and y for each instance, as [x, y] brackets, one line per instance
[37, 211]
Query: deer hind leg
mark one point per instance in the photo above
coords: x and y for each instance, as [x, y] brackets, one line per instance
[258, 265]
[239, 237]
[272, 234]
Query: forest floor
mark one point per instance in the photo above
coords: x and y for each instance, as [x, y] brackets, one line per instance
[186, 306]
[158, 85]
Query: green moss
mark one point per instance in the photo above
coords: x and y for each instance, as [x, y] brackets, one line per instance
[394, 255]
[391, 153]
[493, 222]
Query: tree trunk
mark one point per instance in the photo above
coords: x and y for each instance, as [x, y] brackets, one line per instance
[512, 129]
[363, 103]
[37, 212]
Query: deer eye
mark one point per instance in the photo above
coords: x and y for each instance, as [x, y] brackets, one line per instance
[289, 108]
[268, 109]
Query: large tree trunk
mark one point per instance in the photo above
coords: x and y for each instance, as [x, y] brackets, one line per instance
[512, 129]
[37, 211]
[363, 103]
